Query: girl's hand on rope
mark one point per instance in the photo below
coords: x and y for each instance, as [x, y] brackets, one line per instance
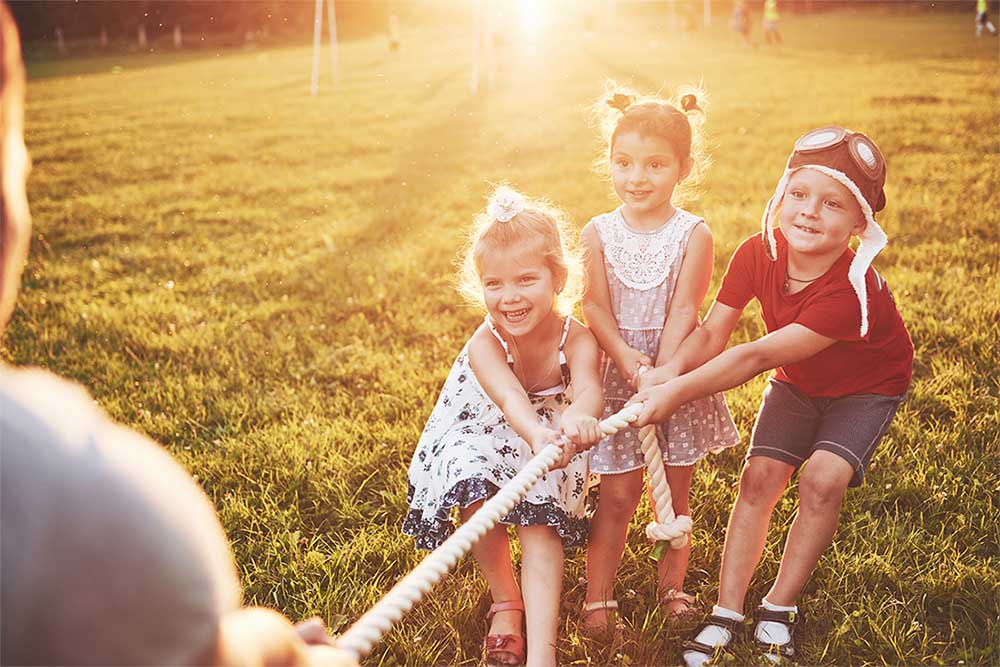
[544, 437]
[629, 363]
[581, 430]
[659, 402]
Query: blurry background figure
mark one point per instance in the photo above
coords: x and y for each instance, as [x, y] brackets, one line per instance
[393, 32]
[983, 18]
[771, 17]
[112, 554]
[740, 21]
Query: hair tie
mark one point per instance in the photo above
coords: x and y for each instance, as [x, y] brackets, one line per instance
[689, 102]
[621, 101]
[505, 204]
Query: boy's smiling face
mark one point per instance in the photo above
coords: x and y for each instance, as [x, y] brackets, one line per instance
[818, 214]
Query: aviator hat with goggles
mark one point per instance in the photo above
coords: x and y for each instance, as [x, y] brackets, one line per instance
[854, 161]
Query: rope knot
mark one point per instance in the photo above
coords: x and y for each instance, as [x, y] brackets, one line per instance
[675, 531]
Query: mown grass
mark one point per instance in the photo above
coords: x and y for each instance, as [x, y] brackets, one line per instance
[261, 282]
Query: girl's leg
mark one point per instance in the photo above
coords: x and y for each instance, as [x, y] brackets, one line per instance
[619, 497]
[761, 485]
[492, 554]
[541, 580]
[673, 566]
[822, 484]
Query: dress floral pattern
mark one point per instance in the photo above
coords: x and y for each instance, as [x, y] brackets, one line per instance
[642, 269]
[468, 451]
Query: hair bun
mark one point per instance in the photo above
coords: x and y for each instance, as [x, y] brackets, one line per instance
[689, 102]
[620, 101]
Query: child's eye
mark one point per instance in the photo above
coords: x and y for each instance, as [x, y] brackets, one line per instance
[656, 165]
[491, 284]
[527, 280]
[833, 203]
[797, 194]
[621, 163]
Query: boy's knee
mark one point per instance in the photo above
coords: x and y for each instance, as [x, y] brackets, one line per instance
[821, 490]
[763, 481]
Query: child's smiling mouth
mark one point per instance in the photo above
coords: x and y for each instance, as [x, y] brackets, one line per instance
[515, 316]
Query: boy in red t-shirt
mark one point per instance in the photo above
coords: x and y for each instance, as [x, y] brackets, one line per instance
[842, 359]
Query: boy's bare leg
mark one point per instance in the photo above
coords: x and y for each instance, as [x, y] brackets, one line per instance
[761, 485]
[822, 483]
[492, 554]
[541, 580]
[619, 497]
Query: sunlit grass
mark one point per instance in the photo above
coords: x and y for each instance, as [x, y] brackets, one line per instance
[261, 281]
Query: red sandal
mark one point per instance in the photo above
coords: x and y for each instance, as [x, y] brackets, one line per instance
[506, 650]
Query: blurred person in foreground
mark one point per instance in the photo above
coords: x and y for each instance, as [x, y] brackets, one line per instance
[111, 554]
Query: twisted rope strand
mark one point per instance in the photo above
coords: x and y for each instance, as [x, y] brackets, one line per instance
[665, 525]
[359, 639]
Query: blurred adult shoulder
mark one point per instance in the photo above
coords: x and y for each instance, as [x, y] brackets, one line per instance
[111, 553]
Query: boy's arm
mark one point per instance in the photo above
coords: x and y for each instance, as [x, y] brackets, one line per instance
[489, 363]
[597, 310]
[787, 345]
[706, 341]
[691, 286]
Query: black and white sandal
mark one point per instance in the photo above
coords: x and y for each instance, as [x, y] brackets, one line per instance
[695, 646]
[789, 619]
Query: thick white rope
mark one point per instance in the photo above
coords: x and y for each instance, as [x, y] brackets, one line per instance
[665, 526]
[359, 639]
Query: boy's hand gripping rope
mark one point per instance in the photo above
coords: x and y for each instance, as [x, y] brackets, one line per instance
[359, 639]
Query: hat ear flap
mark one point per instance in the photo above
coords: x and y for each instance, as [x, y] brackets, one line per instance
[880, 204]
[767, 219]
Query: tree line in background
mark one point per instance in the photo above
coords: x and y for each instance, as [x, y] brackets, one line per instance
[108, 22]
[120, 21]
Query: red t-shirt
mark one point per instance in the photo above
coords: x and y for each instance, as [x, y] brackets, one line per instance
[879, 363]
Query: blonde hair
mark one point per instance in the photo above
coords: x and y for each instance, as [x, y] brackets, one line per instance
[535, 222]
[678, 120]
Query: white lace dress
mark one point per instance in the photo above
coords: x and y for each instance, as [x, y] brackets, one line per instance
[468, 451]
[642, 269]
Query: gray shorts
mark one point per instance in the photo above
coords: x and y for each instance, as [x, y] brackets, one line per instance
[791, 426]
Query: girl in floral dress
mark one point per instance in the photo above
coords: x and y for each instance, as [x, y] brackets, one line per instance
[527, 378]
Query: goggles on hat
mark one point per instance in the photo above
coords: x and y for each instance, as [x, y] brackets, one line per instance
[865, 155]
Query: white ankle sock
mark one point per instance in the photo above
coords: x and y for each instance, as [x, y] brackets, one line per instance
[713, 635]
[770, 632]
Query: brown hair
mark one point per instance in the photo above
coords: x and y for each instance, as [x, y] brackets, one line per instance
[678, 120]
[538, 223]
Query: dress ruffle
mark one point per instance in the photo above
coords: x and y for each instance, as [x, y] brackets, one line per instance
[431, 533]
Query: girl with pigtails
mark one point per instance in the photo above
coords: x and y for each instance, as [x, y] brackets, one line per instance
[527, 378]
[649, 264]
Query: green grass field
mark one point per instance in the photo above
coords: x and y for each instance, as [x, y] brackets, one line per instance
[261, 281]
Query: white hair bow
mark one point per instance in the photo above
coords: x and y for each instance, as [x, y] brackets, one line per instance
[505, 204]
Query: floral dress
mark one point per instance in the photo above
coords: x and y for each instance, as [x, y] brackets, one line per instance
[642, 269]
[468, 451]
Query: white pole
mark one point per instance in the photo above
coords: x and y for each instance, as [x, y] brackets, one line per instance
[708, 13]
[178, 37]
[317, 36]
[477, 26]
[331, 17]
[489, 54]
[141, 36]
[60, 41]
